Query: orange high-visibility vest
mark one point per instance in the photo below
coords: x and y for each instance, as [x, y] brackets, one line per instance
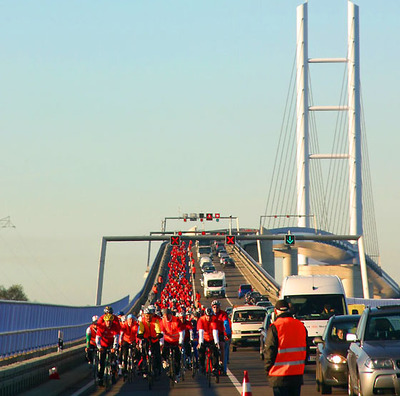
[171, 330]
[292, 345]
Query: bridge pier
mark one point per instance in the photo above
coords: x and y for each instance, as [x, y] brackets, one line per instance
[290, 262]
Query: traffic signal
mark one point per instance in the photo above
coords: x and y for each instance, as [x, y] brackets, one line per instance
[201, 216]
[230, 239]
[217, 216]
[289, 239]
[209, 216]
[175, 240]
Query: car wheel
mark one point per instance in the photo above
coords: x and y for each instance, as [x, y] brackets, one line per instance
[325, 389]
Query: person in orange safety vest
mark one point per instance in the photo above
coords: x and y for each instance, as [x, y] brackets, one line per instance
[285, 352]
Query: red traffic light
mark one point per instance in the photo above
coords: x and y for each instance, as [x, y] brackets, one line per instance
[216, 215]
[230, 239]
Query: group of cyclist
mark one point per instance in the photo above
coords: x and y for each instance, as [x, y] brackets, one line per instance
[175, 325]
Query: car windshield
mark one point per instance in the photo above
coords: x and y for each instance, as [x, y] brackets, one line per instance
[339, 330]
[383, 327]
[215, 283]
[245, 287]
[316, 306]
[249, 316]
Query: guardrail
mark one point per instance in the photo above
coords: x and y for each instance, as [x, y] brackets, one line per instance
[269, 284]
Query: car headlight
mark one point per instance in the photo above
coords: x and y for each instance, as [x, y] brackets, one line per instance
[337, 359]
[379, 363]
[236, 331]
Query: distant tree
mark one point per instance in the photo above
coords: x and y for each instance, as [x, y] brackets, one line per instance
[14, 292]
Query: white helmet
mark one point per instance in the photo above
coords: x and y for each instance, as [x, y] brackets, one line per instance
[95, 318]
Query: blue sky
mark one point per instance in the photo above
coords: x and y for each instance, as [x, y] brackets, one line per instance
[117, 114]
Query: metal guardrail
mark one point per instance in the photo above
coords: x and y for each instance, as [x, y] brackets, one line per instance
[270, 285]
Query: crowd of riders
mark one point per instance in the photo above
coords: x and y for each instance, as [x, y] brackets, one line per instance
[176, 322]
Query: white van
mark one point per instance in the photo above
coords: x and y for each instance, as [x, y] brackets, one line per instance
[205, 260]
[246, 323]
[313, 299]
[214, 284]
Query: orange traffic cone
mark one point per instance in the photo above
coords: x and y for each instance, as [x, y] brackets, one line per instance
[53, 373]
[246, 385]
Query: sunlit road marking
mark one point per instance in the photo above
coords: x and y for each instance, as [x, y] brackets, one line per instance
[234, 381]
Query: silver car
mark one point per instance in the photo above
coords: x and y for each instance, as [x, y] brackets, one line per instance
[374, 355]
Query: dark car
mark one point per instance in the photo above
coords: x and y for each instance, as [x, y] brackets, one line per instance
[331, 362]
[253, 297]
[228, 262]
[243, 289]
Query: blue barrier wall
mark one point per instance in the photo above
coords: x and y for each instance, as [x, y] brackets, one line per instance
[26, 326]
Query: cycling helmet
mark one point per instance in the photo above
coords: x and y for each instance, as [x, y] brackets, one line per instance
[130, 316]
[120, 313]
[95, 318]
[209, 311]
[147, 311]
[108, 317]
[216, 302]
[108, 309]
[180, 314]
[151, 308]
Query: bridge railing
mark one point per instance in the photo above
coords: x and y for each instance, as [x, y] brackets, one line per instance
[27, 327]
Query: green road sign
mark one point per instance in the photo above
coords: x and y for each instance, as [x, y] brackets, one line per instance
[289, 239]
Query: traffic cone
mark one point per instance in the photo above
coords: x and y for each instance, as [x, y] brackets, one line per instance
[246, 385]
[53, 373]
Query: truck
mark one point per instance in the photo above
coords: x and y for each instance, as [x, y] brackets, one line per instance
[214, 284]
[313, 299]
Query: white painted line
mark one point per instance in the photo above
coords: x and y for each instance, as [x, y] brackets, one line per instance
[234, 381]
[80, 391]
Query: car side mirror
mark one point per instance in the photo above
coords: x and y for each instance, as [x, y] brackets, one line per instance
[318, 340]
[351, 337]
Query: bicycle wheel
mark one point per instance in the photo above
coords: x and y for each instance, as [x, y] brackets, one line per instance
[183, 365]
[107, 372]
[150, 371]
[129, 368]
[194, 363]
[171, 367]
[209, 368]
[95, 367]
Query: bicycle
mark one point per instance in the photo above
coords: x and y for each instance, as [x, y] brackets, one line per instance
[95, 364]
[149, 358]
[183, 364]
[109, 370]
[194, 361]
[130, 365]
[171, 369]
[209, 366]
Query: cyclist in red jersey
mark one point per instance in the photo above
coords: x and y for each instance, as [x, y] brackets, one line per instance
[128, 339]
[208, 336]
[107, 337]
[150, 332]
[91, 346]
[174, 334]
[188, 327]
[108, 310]
[223, 327]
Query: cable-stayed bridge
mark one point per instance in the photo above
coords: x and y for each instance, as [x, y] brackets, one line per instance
[315, 202]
